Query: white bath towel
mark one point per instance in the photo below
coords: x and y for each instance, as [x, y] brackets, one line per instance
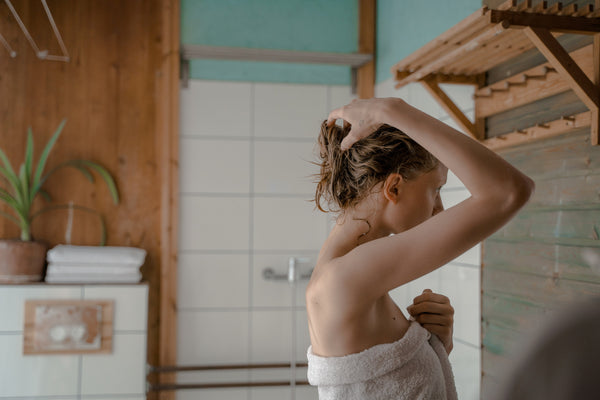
[414, 367]
[92, 268]
[93, 278]
[96, 254]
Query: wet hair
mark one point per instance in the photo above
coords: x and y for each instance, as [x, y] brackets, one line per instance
[347, 177]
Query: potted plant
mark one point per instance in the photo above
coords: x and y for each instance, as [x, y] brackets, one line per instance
[23, 259]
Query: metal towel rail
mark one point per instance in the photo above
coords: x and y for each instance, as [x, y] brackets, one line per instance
[150, 369]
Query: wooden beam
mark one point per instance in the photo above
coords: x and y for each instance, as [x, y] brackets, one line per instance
[595, 135]
[556, 23]
[448, 105]
[561, 60]
[365, 77]
[167, 115]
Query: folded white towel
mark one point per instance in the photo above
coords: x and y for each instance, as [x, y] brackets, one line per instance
[93, 278]
[89, 268]
[414, 367]
[96, 254]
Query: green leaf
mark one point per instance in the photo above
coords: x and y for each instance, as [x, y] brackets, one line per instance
[14, 183]
[44, 157]
[24, 185]
[89, 210]
[103, 172]
[45, 195]
[15, 205]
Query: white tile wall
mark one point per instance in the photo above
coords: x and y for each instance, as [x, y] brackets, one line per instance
[208, 223]
[271, 336]
[284, 167]
[213, 280]
[289, 110]
[288, 223]
[200, 160]
[212, 337]
[35, 375]
[216, 109]
[101, 375]
[124, 368]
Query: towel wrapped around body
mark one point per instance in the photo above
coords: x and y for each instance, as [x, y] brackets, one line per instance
[414, 367]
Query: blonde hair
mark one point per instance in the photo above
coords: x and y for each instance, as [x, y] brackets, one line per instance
[347, 177]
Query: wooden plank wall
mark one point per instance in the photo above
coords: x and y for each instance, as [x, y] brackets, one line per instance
[115, 96]
[534, 264]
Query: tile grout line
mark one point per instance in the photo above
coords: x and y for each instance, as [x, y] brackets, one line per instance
[251, 226]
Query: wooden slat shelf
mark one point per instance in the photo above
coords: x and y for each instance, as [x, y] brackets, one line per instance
[488, 38]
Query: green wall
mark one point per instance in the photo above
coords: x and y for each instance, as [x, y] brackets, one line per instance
[403, 26]
[304, 25]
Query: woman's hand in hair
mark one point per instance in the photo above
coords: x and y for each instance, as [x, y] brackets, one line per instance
[434, 312]
[363, 116]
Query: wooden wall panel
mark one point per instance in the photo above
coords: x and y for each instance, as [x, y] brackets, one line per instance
[111, 93]
[535, 265]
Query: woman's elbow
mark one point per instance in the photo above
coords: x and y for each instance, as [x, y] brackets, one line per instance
[519, 192]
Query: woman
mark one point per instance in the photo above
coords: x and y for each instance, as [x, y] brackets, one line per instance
[383, 172]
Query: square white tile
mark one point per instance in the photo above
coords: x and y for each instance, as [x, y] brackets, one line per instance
[271, 393]
[466, 363]
[453, 182]
[213, 280]
[271, 336]
[288, 223]
[285, 167]
[278, 293]
[307, 393]
[386, 89]
[339, 96]
[462, 286]
[429, 281]
[471, 256]
[130, 304]
[121, 372]
[302, 336]
[451, 198]
[12, 301]
[461, 95]
[213, 394]
[422, 100]
[210, 223]
[35, 375]
[212, 337]
[214, 166]
[289, 110]
[215, 108]
[401, 298]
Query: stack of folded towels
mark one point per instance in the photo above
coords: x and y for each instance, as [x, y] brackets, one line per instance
[94, 264]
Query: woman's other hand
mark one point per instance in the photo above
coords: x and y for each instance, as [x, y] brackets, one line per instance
[434, 312]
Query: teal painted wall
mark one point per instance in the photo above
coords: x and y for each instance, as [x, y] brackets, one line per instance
[404, 26]
[305, 25]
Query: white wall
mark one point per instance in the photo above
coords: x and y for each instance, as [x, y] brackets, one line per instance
[459, 279]
[120, 375]
[245, 153]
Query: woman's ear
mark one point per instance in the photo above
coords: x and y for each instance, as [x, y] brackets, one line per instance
[392, 187]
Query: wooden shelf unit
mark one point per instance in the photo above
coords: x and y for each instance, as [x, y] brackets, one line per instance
[488, 38]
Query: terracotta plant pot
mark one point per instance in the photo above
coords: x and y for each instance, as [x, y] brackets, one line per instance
[22, 261]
